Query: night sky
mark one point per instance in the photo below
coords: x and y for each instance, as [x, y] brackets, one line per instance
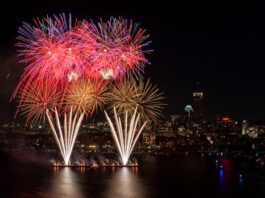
[221, 45]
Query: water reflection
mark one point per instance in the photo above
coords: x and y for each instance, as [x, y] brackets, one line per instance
[240, 180]
[221, 177]
[156, 177]
[66, 184]
[126, 183]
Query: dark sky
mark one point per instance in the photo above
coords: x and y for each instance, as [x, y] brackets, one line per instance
[221, 45]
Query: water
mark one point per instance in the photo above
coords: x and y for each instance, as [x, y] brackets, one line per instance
[185, 176]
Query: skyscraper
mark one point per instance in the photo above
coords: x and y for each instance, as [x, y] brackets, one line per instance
[197, 103]
[244, 127]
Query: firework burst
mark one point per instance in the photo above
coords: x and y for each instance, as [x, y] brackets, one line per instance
[50, 51]
[86, 95]
[126, 95]
[119, 48]
[36, 101]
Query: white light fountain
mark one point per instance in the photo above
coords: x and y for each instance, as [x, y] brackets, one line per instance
[125, 136]
[65, 137]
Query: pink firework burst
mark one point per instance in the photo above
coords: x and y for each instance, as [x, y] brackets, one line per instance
[50, 51]
[118, 50]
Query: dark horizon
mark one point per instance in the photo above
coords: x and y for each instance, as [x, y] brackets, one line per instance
[219, 45]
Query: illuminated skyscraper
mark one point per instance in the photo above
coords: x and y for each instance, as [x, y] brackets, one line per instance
[197, 103]
[244, 127]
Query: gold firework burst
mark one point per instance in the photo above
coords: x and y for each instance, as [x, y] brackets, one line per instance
[36, 100]
[86, 95]
[126, 95]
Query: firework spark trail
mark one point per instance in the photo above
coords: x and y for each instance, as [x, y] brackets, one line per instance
[65, 137]
[125, 137]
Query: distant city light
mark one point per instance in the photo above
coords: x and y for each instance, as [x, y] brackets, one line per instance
[226, 119]
[197, 94]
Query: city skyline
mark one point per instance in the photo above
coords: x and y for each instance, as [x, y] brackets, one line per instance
[223, 52]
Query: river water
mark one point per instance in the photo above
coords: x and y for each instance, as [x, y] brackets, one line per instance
[182, 176]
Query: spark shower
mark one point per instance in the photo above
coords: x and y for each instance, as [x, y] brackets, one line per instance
[126, 135]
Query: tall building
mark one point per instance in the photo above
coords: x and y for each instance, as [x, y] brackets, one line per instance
[197, 103]
[244, 127]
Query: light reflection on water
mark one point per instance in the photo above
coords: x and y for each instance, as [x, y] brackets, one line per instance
[125, 183]
[221, 176]
[122, 182]
[156, 177]
[65, 184]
